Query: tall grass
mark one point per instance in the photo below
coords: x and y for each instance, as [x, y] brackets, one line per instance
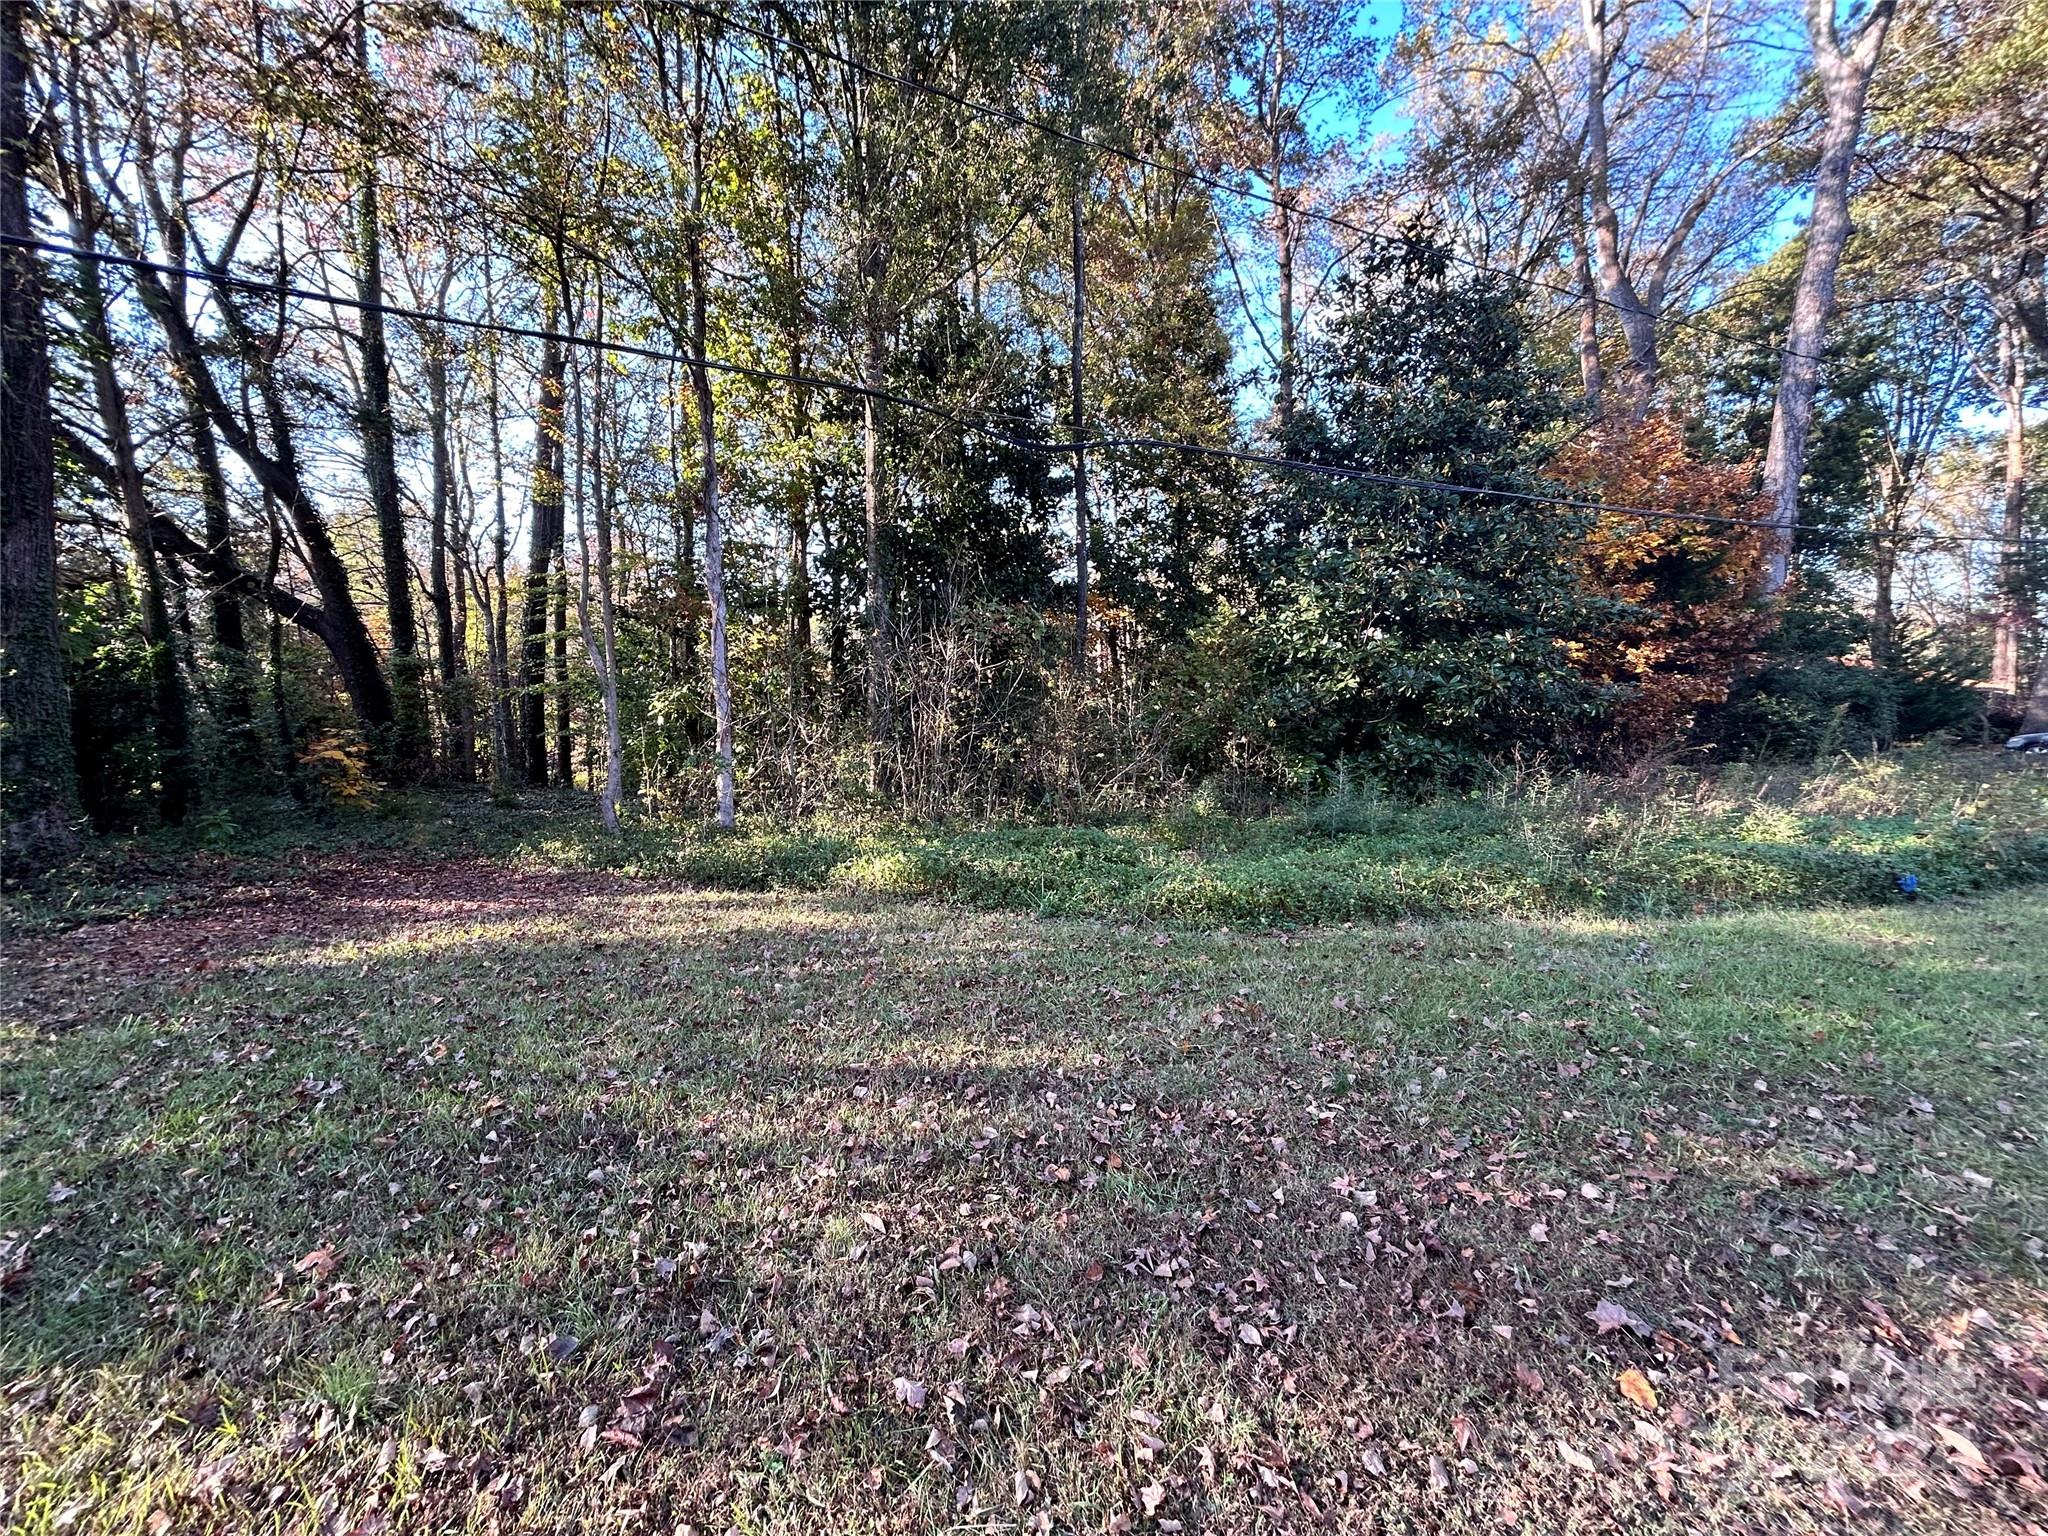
[1530, 841]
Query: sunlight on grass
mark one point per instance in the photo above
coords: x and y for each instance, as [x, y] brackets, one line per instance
[786, 1210]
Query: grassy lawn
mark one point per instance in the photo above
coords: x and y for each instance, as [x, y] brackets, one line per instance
[459, 1194]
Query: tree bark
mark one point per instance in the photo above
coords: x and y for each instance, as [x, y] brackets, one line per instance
[503, 772]
[1638, 319]
[1884, 624]
[565, 741]
[1844, 74]
[170, 709]
[2037, 696]
[38, 773]
[600, 644]
[1592, 381]
[544, 537]
[457, 707]
[1078, 323]
[797, 556]
[880, 679]
[406, 751]
[225, 619]
[707, 442]
[2010, 627]
[1283, 223]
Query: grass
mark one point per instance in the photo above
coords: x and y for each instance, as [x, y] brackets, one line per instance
[463, 1194]
[1527, 845]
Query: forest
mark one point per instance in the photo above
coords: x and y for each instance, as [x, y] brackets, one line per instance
[1023, 766]
[1006, 409]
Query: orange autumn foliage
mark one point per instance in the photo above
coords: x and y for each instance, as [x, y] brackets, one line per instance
[1690, 587]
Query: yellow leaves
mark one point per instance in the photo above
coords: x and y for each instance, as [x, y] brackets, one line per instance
[1635, 1386]
[340, 766]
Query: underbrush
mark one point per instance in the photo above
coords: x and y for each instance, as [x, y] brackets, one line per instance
[1530, 843]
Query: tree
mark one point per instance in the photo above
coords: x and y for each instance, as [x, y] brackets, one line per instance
[1684, 590]
[1679, 93]
[1295, 78]
[38, 782]
[1843, 66]
[1421, 628]
[1960, 151]
[407, 747]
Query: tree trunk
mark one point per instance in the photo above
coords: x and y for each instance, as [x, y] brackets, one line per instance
[2037, 696]
[1884, 622]
[277, 471]
[38, 774]
[880, 681]
[544, 536]
[406, 751]
[707, 442]
[1592, 382]
[1638, 319]
[682, 520]
[565, 740]
[280, 702]
[600, 644]
[2011, 624]
[456, 705]
[170, 710]
[503, 772]
[1078, 322]
[1283, 223]
[224, 604]
[1845, 80]
[797, 557]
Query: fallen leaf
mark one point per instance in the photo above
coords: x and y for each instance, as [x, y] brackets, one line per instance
[1965, 1450]
[1635, 1386]
[1610, 1316]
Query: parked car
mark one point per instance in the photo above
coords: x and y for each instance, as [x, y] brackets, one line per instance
[2031, 741]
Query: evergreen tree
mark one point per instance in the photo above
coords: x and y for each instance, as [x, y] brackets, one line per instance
[1415, 626]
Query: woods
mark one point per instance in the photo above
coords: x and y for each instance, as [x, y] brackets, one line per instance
[1023, 766]
[1017, 410]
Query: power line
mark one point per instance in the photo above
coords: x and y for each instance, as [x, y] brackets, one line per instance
[1567, 503]
[1048, 446]
[1244, 189]
[273, 288]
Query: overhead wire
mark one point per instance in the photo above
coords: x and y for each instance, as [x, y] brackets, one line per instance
[1051, 447]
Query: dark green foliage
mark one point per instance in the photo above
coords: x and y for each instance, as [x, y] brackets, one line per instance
[1808, 697]
[112, 715]
[1416, 628]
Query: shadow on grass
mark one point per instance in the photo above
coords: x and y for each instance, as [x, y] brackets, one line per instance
[741, 1149]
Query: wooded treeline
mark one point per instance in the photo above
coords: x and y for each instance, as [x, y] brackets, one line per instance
[925, 407]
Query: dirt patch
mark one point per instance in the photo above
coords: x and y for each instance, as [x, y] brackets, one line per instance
[218, 918]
